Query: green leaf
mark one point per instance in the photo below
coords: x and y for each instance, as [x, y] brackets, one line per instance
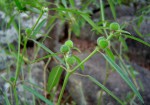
[137, 39]
[105, 89]
[137, 32]
[18, 4]
[6, 99]
[49, 51]
[54, 77]
[125, 77]
[75, 48]
[86, 17]
[37, 29]
[34, 10]
[110, 54]
[68, 10]
[64, 3]
[38, 95]
[112, 8]
[79, 61]
[122, 40]
[72, 3]
[42, 58]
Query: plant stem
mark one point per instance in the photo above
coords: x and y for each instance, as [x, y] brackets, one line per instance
[18, 55]
[63, 87]
[16, 96]
[37, 21]
[44, 75]
[104, 83]
[87, 58]
[72, 71]
[69, 31]
[19, 61]
[102, 15]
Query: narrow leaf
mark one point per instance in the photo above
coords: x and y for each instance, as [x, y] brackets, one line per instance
[18, 4]
[122, 40]
[64, 3]
[37, 29]
[42, 58]
[72, 3]
[125, 77]
[137, 39]
[49, 51]
[54, 77]
[6, 99]
[110, 53]
[79, 61]
[105, 89]
[112, 8]
[86, 17]
[38, 95]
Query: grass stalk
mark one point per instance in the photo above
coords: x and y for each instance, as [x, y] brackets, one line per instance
[16, 96]
[18, 55]
[104, 83]
[103, 15]
[86, 59]
[63, 87]
[72, 71]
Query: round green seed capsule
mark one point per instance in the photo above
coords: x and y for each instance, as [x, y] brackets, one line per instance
[64, 49]
[102, 42]
[71, 60]
[69, 43]
[114, 26]
[28, 31]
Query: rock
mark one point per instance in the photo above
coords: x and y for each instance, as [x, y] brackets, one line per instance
[10, 34]
[34, 76]
[95, 67]
[5, 60]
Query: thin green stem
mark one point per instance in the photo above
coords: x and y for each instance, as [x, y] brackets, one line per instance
[69, 31]
[16, 96]
[102, 10]
[103, 16]
[37, 20]
[19, 59]
[104, 83]
[72, 71]
[18, 55]
[63, 87]
[87, 58]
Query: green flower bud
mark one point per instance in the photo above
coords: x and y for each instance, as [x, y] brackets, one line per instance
[114, 26]
[64, 49]
[71, 60]
[28, 31]
[102, 42]
[69, 43]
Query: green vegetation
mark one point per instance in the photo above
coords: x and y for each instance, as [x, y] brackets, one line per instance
[76, 18]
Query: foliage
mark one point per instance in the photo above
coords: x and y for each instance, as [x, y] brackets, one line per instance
[76, 17]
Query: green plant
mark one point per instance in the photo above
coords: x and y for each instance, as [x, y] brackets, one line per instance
[69, 43]
[71, 60]
[102, 42]
[67, 12]
[114, 26]
[64, 49]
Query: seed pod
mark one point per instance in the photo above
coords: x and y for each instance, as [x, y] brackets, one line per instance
[64, 49]
[102, 42]
[71, 60]
[69, 43]
[114, 26]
